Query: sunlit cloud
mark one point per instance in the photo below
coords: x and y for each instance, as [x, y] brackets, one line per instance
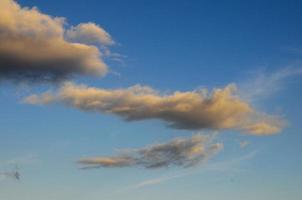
[193, 110]
[184, 152]
[90, 34]
[37, 47]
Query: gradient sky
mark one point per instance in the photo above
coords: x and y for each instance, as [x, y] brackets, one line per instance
[169, 46]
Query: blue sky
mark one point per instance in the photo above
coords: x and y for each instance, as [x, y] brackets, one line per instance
[168, 46]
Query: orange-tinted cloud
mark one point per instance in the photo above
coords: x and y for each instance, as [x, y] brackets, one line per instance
[89, 33]
[33, 46]
[194, 110]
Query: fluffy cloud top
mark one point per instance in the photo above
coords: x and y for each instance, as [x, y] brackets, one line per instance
[33, 46]
[90, 34]
[183, 152]
[220, 109]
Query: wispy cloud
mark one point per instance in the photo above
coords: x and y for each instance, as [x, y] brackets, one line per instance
[26, 159]
[156, 181]
[263, 84]
[192, 110]
[184, 152]
[243, 144]
[225, 166]
[38, 47]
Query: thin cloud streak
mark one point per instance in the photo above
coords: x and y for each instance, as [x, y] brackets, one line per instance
[244, 144]
[264, 84]
[217, 166]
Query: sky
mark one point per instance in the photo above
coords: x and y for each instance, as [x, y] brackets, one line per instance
[148, 100]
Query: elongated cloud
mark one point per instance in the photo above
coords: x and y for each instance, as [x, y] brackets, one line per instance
[195, 110]
[33, 46]
[184, 152]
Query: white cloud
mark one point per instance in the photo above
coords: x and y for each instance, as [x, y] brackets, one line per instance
[263, 84]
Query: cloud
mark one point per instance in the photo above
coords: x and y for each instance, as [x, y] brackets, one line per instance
[264, 84]
[89, 33]
[155, 181]
[227, 166]
[184, 152]
[33, 46]
[26, 159]
[193, 110]
[243, 144]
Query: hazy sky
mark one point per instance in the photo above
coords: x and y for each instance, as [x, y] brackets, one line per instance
[148, 100]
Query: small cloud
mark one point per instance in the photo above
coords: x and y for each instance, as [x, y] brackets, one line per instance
[183, 152]
[90, 34]
[244, 144]
[156, 181]
[26, 159]
[266, 84]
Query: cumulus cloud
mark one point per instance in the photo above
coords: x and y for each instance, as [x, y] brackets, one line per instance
[33, 46]
[184, 152]
[194, 110]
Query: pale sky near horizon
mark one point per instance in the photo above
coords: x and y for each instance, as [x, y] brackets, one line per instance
[130, 81]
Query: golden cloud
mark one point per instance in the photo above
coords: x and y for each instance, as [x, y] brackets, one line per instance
[33, 46]
[194, 110]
